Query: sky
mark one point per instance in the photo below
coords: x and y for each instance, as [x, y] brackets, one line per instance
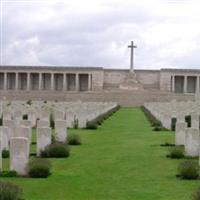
[97, 33]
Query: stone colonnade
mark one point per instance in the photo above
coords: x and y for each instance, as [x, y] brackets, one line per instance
[185, 84]
[45, 81]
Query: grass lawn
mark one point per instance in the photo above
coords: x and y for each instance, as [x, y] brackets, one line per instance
[121, 160]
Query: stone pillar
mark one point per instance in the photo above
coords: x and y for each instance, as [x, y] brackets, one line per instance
[197, 84]
[5, 81]
[173, 84]
[52, 81]
[40, 81]
[64, 82]
[89, 82]
[185, 85]
[16, 81]
[28, 82]
[77, 82]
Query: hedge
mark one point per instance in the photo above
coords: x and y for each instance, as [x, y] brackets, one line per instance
[153, 120]
[93, 124]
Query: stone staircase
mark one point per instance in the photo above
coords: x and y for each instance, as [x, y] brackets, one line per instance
[123, 97]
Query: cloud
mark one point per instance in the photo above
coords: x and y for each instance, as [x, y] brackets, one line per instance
[97, 33]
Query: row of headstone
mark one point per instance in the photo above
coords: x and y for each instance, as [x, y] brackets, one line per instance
[69, 111]
[188, 136]
[17, 139]
[165, 112]
[16, 133]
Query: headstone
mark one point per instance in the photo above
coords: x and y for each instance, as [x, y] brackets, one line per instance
[7, 115]
[166, 121]
[11, 124]
[195, 120]
[180, 133]
[32, 117]
[44, 114]
[43, 138]
[42, 123]
[26, 123]
[180, 118]
[17, 116]
[0, 152]
[59, 115]
[23, 131]
[60, 130]
[19, 155]
[192, 142]
[4, 131]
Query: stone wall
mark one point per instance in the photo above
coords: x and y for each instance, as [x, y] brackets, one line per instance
[150, 79]
[180, 80]
[51, 78]
[81, 79]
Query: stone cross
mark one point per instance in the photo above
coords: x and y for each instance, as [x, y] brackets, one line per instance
[132, 46]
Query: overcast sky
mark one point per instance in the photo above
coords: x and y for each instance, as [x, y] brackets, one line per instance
[97, 33]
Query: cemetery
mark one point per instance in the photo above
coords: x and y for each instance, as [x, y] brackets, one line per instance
[99, 100]
[91, 133]
[125, 147]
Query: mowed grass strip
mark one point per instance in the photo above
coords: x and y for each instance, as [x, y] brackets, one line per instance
[120, 160]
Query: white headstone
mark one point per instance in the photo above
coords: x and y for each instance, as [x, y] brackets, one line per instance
[19, 155]
[44, 114]
[195, 120]
[43, 138]
[4, 131]
[180, 133]
[11, 124]
[23, 131]
[42, 123]
[59, 115]
[60, 130]
[0, 152]
[192, 142]
[26, 123]
[7, 114]
[17, 116]
[32, 117]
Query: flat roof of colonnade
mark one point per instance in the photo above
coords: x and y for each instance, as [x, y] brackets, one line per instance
[53, 68]
[91, 68]
[186, 70]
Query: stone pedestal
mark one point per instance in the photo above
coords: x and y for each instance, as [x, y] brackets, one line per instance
[131, 83]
